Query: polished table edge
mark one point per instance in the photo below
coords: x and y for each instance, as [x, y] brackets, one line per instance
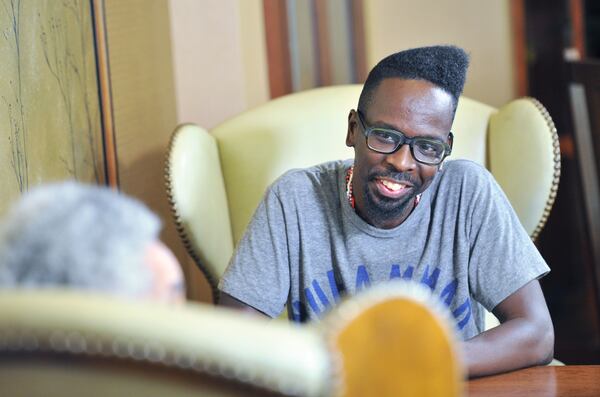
[547, 381]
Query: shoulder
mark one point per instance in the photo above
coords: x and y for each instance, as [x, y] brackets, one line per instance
[466, 171]
[465, 178]
[463, 167]
[318, 176]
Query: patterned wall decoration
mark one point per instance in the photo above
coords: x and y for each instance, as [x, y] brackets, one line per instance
[50, 121]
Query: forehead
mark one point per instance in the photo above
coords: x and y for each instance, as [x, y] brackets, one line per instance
[410, 104]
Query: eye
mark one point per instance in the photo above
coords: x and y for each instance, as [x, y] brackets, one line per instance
[430, 147]
[384, 136]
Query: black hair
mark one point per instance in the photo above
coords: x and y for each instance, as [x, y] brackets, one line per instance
[444, 66]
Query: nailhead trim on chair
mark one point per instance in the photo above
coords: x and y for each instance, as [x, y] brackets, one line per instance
[181, 230]
[556, 176]
[63, 342]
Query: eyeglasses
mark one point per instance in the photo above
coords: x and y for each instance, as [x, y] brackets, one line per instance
[425, 150]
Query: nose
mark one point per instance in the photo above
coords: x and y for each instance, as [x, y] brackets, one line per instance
[402, 159]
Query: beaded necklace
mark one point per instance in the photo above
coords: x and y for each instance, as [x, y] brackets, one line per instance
[349, 191]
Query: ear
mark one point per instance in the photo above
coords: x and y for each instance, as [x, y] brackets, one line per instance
[167, 277]
[352, 124]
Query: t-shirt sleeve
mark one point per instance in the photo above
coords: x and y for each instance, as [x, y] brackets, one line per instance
[258, 273]
[502, 256]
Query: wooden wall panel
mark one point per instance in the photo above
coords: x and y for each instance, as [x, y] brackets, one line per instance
[517, 16]
[278, 51]
[144, 111]
[49, 112]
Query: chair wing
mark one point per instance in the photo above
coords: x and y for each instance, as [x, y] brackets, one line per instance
[297, 130]
[198, 199]
[470, 130]
[524, 157]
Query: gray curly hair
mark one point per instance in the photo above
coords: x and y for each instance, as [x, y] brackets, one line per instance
[79, 236]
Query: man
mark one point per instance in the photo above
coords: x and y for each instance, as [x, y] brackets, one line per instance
[88, 238]
[397, 211]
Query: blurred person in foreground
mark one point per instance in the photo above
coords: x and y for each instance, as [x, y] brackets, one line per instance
[88, 238]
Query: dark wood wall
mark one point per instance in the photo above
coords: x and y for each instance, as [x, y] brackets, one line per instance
[555, 32]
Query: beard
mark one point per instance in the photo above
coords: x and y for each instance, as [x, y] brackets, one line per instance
[380, 210]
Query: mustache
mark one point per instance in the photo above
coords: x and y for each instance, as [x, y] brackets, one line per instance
[395, 175]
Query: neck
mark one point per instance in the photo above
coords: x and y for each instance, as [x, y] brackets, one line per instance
[386, 221]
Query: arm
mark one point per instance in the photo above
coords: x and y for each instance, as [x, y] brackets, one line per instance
[227, 300]
[524, 338]
[257, 277]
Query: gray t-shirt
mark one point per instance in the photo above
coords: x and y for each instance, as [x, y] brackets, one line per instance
[306, 247]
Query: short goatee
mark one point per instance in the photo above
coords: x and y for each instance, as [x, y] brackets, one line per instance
[382, 210]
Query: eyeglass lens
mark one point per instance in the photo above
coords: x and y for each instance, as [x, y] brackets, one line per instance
[425, 150]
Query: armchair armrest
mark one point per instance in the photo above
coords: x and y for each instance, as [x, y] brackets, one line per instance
[197, 196]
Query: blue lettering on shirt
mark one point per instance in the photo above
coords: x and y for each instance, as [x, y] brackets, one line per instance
[465, 307]
[311, 301]
[298, 312]
[335, 289]
[448, 292]
[321, 294]
[362, 278]
[395, 272]
[430, 279]
[300, 308]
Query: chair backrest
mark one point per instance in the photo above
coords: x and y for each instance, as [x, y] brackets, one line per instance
[60, 343]
[517, 143]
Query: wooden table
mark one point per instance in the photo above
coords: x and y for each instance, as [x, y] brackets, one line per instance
[569, 380]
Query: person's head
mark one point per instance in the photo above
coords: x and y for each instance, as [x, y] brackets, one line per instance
[86, 237]
[410, 94]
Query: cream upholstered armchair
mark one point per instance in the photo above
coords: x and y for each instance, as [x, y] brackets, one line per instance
[215, 180]
[66, 343]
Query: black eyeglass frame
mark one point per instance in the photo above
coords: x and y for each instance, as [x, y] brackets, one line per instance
[404, 140]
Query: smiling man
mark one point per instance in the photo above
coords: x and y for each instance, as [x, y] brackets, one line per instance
[399, 210]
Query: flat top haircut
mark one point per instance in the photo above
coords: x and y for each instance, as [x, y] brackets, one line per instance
[444, 66]
[78, 236]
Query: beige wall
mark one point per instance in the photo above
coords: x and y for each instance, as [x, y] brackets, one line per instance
[480, 27]
[144, 111]
[218, 69]
[173, 61]
[219, 58]
[254, 52]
